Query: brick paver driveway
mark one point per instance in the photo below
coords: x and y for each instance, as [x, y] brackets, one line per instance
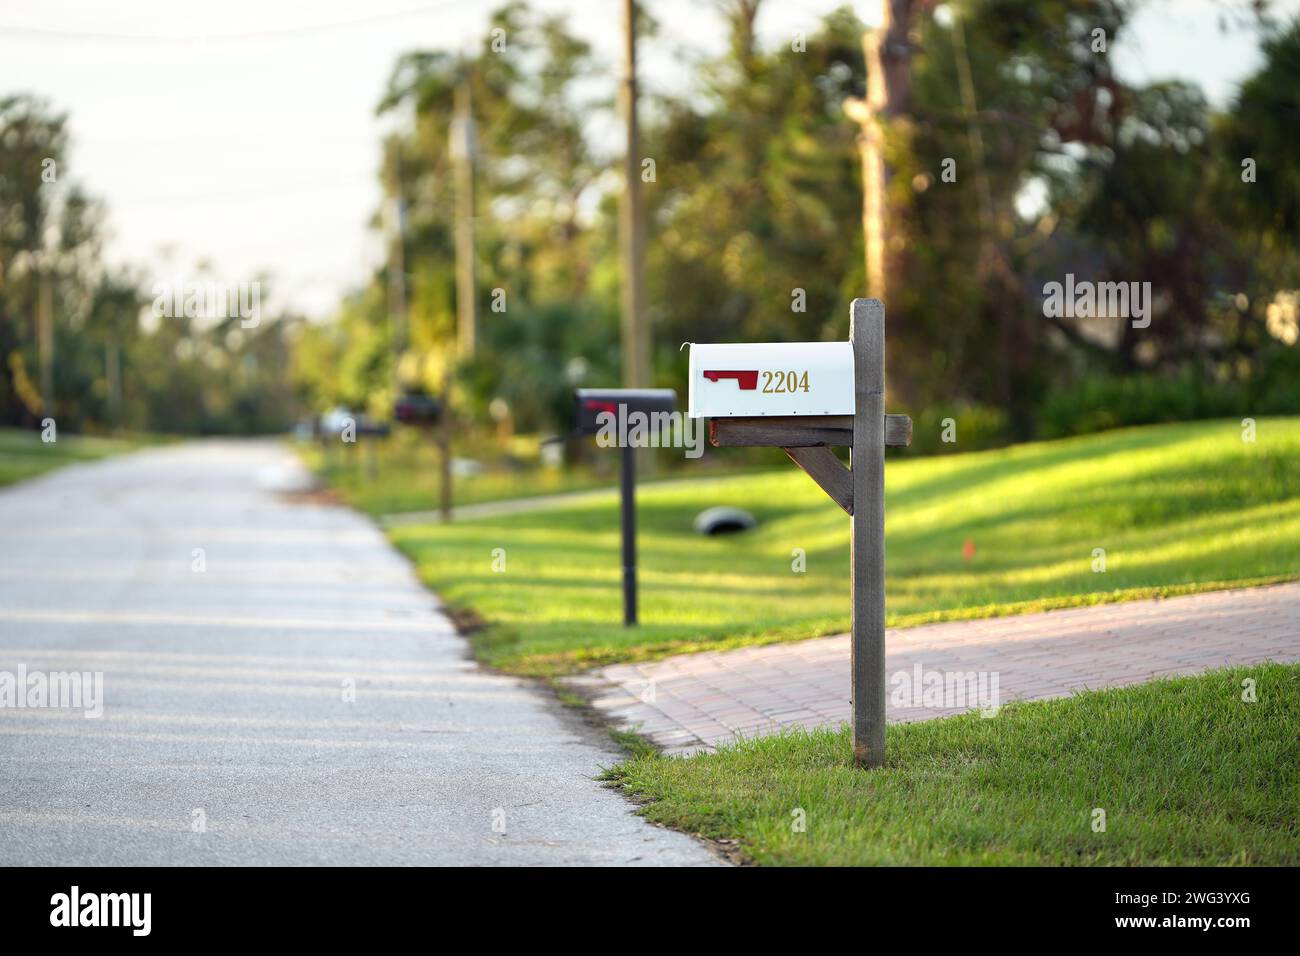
[695, 701]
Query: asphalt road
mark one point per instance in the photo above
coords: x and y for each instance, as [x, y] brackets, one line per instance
[233, 627]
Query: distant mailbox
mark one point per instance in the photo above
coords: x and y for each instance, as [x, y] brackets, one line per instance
[590, 402]
[771, 378]
[417, 409]
[369, 427]
[589, 405]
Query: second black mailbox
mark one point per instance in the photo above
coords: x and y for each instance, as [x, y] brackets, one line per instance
[590, 403]
[417, 408]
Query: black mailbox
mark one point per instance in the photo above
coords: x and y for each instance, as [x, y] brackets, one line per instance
[417, 408]
[588, 405]
[369, 427]
[590, 402]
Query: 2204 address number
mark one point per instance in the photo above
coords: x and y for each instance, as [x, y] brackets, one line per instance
[785, 382]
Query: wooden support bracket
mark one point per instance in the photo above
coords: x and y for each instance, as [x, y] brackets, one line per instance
[801, 431]
[828, 471]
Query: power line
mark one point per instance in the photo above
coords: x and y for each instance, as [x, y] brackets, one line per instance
[38, 33]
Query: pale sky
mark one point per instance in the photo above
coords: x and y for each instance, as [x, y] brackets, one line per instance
[242, 132]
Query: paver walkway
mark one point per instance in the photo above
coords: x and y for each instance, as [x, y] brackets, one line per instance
[278, 688]
[695, 701]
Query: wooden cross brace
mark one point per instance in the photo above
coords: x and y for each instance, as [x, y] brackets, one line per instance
[808, 440]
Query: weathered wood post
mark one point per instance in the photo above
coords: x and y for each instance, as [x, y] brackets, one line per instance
[807, 397]
[867, 544]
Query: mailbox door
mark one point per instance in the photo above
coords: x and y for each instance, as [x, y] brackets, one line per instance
[771, 378]
[589, 406]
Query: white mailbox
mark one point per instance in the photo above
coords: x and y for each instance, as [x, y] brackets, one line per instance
[771, 378]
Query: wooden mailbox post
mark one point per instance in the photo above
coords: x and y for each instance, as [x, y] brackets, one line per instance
[838, 398]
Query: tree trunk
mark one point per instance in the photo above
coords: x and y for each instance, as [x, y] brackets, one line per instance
[887, 51]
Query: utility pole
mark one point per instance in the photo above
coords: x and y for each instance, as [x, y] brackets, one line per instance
[463, 156]
[635, 332]
[397, 267]
[113, 379]
[45, 339]
[463, 151]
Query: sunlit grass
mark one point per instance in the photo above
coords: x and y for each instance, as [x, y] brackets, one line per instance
[1186, 772]
[394, 475]
[1176, 508]
[24, 455]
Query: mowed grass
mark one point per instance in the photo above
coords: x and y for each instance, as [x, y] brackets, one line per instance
[1186, 772]
[24, 455]
[1176, 508]
[407, 479]
[405, 476]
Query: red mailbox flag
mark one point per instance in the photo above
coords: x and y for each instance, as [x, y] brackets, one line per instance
[747, 379]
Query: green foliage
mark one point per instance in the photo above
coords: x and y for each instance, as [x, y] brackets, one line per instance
[754, 211]
[536, 355]
[1101, 401]
[1262, 125]
[974, 427]
[533, 255]
[756, 207]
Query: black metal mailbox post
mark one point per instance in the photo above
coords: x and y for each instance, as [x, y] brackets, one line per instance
[589, 405]
[425, 411]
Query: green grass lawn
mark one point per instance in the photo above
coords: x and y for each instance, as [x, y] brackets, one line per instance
[23, 454]
[410, 482]
[1177, 508]
[406, 477]
[1185, 770]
